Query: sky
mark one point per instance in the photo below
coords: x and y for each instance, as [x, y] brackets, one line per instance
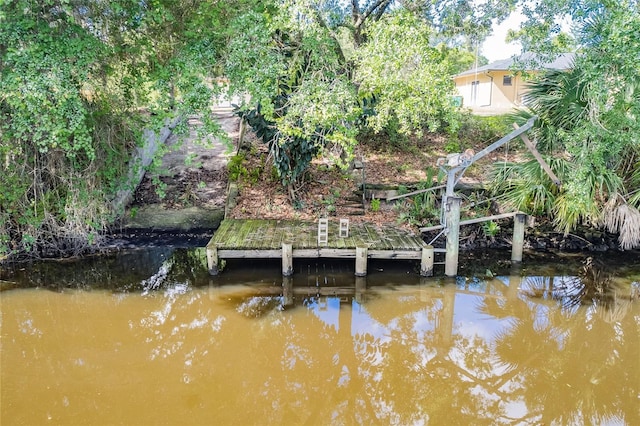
[495, 47]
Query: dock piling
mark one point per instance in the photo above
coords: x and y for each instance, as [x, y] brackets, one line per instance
[212, 259]
[361, 287]
[519, 223]
[287, 259]
[287, 291]
[426, 263]
[452, 216]
[361, 261]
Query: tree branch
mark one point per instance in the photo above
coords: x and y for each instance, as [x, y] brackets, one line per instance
[378, 7]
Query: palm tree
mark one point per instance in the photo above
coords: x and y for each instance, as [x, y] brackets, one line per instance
[592, 148]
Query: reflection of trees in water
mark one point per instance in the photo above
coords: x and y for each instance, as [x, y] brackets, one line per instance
[566, 362]
[130, 271]
[413, 362]
[594, 286]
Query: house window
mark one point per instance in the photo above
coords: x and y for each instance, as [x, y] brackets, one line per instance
[506, 80]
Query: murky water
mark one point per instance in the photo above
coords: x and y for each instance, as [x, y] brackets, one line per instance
[148, 338]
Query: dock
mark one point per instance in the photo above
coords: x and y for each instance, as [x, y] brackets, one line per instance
[334, 238]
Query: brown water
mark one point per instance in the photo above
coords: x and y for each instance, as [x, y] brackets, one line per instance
[201, 351]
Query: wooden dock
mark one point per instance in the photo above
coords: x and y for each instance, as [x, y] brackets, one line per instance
[256, 238]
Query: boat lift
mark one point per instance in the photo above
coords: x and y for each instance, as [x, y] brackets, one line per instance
[454, 165]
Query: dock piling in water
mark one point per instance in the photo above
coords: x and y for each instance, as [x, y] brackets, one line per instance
[212, 259]
[426, 262]
[361, 260]
[452, 216]
[519, 223]
[287, 259]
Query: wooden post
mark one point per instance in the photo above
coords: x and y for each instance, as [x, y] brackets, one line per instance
[426, 264]
[452, 218]
[361, 286]
[361, 261]
[287, 259]
[287, 291]
[519, 222]
[212, 259]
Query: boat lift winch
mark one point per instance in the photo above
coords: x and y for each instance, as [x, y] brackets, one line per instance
[454, 165]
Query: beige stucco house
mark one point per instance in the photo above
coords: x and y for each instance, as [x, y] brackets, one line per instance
[495, 88]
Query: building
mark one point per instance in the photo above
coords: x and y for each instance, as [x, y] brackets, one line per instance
[496, 88]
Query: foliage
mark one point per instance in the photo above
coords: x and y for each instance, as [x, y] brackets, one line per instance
[409, 78]
[78, 81]
[328, 71]
[588, 115]
[526, 186]
[423, 207]
[375, 204]
[482, 130]
[236, 168]
[490, 228]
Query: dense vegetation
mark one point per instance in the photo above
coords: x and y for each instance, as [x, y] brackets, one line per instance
[589, 125]
[81, 79]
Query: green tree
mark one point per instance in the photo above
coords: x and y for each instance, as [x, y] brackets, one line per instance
[317, 73]
[79, 80]
[589, 116]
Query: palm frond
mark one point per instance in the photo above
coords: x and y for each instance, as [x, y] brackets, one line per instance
[620, 217]
[526, 186]
[570, 210]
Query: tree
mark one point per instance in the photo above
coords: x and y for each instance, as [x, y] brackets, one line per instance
[589, 115]
[318, 72]
[78, 82]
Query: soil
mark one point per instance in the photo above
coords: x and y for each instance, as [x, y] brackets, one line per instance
[329, 190]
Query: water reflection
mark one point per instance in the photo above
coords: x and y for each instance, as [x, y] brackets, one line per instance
[188, 349]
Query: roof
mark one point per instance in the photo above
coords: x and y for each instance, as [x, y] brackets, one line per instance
[562, 62]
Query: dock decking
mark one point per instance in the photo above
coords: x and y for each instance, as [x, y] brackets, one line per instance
[251, 238]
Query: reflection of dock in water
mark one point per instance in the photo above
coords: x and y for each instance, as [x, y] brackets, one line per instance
[254, 239]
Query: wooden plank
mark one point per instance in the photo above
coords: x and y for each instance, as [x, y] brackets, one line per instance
[396, 254]
[275, 235]
[371, 237]
[249, 254]
[253, 238]
[538, 157]
[420, 191]
[307, 235]
[309, 253]
[229, 235]
[386, 239]
[337, 253]
[472, 221]
[218, 236]
[241, 234]
[410, 242]
[354, 231]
